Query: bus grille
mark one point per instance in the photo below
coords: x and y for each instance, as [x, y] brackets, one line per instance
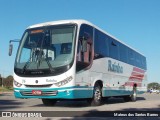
[44, 93]
[38, 86]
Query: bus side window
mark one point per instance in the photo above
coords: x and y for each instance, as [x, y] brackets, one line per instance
[79, 51]
[84, 58]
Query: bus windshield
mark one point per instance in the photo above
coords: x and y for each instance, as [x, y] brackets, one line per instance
[44, 50]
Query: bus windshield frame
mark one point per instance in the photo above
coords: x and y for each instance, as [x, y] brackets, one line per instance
[46, 51]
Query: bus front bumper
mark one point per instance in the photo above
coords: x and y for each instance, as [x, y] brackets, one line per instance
[67, 93]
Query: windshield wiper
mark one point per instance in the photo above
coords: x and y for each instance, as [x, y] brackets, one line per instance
[41, 51]
[26, 65]
[49, 65]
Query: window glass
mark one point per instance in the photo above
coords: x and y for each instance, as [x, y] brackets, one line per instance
[113, 49]
[100, 44]
[144, 63]
[123, 53]
[47, 48]
[131, 57]
[84, 58]
[137, 60]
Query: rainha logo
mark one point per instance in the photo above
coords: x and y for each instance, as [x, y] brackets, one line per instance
[114, 67]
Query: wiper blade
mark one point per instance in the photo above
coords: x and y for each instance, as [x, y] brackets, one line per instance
[26, 66]
[49, 65]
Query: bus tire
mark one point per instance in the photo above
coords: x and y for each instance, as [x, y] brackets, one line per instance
[97, 96]
[49, 102]
[132, 97]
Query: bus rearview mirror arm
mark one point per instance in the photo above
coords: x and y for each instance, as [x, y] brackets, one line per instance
[11, 46]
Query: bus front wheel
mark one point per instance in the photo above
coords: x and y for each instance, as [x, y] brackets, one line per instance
[97, 96]
[49, 102]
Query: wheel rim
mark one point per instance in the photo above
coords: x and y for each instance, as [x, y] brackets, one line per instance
[97, 94]
[134, 94]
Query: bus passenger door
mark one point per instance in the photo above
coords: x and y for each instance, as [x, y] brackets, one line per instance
[84, 56]
[83, 65]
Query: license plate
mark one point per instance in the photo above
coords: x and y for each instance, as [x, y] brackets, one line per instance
[36, 92]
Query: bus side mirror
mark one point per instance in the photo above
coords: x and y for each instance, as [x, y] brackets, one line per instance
[10, 49]
[84, 45]
[11, 46]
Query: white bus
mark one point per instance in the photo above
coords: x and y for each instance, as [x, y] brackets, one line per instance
[74, 59]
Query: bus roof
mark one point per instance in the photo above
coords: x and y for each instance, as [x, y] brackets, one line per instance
[79, 22]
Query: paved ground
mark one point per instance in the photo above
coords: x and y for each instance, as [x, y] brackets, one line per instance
[145, 102]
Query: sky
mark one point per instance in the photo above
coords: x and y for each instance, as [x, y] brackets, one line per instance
[135, 22]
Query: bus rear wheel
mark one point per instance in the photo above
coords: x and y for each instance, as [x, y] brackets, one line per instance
[49, 102]
[97, 96]
[132, 97]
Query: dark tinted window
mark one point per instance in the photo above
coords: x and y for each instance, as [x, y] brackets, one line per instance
[138, 60]
[113, 49]
[144, 66]
[131, 56]
[84, 58]
[86, 30]
[123, 53]
[105, 46]
[101, 44]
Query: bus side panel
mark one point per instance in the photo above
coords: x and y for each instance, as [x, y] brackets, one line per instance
[116, 82]
[83, 80]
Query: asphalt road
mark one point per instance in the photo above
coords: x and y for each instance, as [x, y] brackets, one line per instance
[145, 102]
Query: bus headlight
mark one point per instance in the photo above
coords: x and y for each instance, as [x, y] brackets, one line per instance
[63, 82]
[17, 84]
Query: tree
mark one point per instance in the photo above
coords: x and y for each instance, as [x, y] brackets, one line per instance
[154, 85]
[8, 81]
